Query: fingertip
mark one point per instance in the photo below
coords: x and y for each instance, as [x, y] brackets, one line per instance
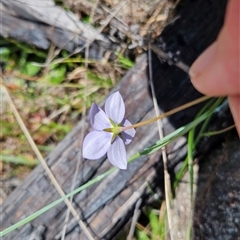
[203, 62]
[204, 70]
[216, 71]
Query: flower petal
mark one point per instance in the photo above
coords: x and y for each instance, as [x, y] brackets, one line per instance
[98, 118]
[117, 154]
[129, 134]
[96, 144]
[115, 108]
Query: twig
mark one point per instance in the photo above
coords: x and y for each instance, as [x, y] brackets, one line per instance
[164, 55]
[135, 217]
[75, 174]
[167, 184]
[106, 22]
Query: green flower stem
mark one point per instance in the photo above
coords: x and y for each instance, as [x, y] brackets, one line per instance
[155, 147]
[149, 150]
[175, 110]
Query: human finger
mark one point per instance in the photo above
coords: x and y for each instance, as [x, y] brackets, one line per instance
[216, 71]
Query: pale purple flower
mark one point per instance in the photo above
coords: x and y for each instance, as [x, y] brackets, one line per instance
[106, 136]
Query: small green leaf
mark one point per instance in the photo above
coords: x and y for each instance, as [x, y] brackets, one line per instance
[31, 69]
[4, 54]
[125, 62]
[56, 75]
[154, 223]
[142, 235]
[86, 19]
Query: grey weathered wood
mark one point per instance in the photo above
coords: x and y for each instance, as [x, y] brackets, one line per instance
[48, 13]
[107, 196]
[41, 23]
[102, 206]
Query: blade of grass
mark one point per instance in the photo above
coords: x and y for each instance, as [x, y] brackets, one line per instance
[155, 147]
[191, 147]
[167, 183]
[79, 155]
[209, 134]
[155, 227]
[181, 172]
[191, 144]
[19, 160]
[53, 204]
[45, 166]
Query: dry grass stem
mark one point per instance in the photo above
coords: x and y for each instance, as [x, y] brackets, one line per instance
[93, 11]
[167, 184]
[81, 138]
[44, 164]
[135, 217]
[87, 45]
[154, 17]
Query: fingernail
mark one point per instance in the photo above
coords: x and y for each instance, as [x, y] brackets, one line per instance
[203, 61]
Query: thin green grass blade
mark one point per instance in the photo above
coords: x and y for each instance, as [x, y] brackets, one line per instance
[146, 151]
[172, 136]
[215, 104]
[219, 104]
[191, 147]
[213, 133]
[154, 223]
[53, 204]
[19, 160]
[155, 147]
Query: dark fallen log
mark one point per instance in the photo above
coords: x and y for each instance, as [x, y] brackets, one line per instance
[217, 207]
[107, 206]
